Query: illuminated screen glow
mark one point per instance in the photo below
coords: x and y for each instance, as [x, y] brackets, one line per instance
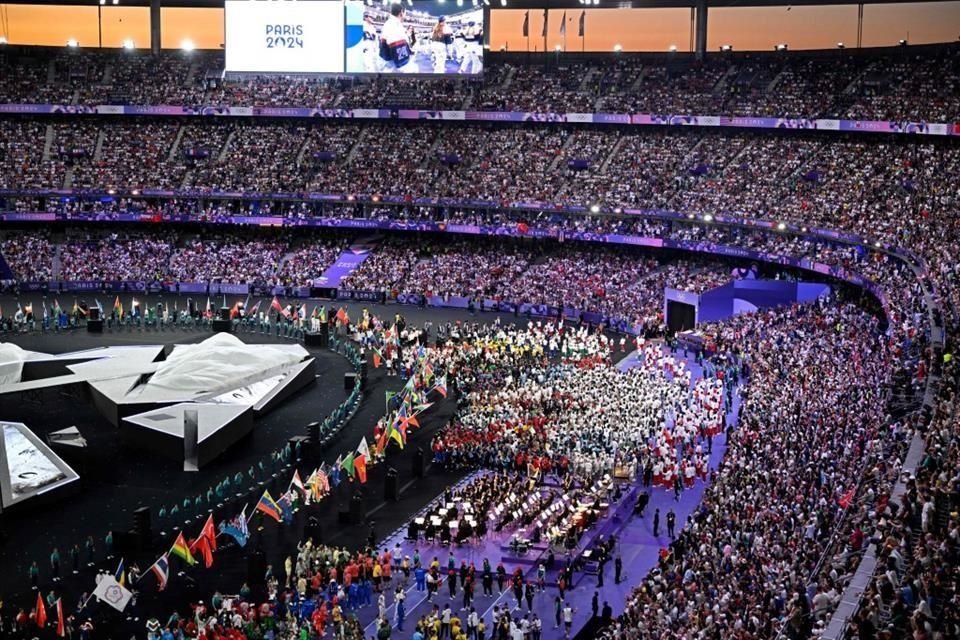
[348, 36]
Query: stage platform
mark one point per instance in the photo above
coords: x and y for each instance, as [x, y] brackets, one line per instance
[28, 467]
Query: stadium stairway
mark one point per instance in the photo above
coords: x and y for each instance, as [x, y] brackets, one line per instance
[47, 142]
[172, 156]
[560, 156]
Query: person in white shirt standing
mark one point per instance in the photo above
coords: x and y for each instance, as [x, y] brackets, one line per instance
[396, 51]
[472, 61]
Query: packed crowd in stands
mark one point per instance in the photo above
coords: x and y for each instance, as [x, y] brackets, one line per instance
[221, 258]
[127, 256]
[896, 85]
[30, 256]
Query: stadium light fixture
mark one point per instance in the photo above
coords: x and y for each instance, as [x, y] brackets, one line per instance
[617, 210]
[594, 208]
[116, 2]
[459, 3]
[781, 226]
[690, 216]
[618, 47]
[781, 47]
[3, 39]
[903, 42]
[72, 43]
[726, 47]
[103, 2]
[187, 45]
[839, 45]
[557, 48]
[596, 3]
[708, 218]
[672, 48]
[803, 229]
[877, 244]
[135, 192]
[129, 45]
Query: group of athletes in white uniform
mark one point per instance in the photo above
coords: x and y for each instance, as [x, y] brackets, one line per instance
[396, 47]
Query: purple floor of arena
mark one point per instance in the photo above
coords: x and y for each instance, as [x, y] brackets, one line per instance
[638, 549]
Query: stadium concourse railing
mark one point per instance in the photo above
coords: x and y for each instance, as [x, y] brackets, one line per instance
[620, 119]
[851, 597]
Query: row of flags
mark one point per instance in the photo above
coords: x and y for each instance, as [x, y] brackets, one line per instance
[563, 24]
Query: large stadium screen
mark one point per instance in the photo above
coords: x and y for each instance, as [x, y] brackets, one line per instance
[291, 36]
[350, 36]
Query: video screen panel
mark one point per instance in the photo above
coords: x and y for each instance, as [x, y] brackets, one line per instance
[292, 36]
[426, 38]
[352, 36]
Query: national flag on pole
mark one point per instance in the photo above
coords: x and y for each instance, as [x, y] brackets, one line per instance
[120, 575]
[847, 499]
[161, 570]
[526, 24]
[286, 508]
[276, 306]
[335, 472]
[404, 419]
[583, 19]
[236, 528]
[563, 24]
[396, 436]
[253, 311]
[202, 545]
[377, 358]
[268, 505]
[441, 386]
[348, 466]
[342, 316]
[297, 482]
[112, 593]
[61, 628]
[41, 619]
[360, 464]
[181, 549]
[209, 532]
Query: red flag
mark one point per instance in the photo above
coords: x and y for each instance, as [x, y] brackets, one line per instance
[61, 629]
[201, 545]
[847, 499]
[276, 306]
[360, 465]
[209, 532]
[41, 612]
[377, 361]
